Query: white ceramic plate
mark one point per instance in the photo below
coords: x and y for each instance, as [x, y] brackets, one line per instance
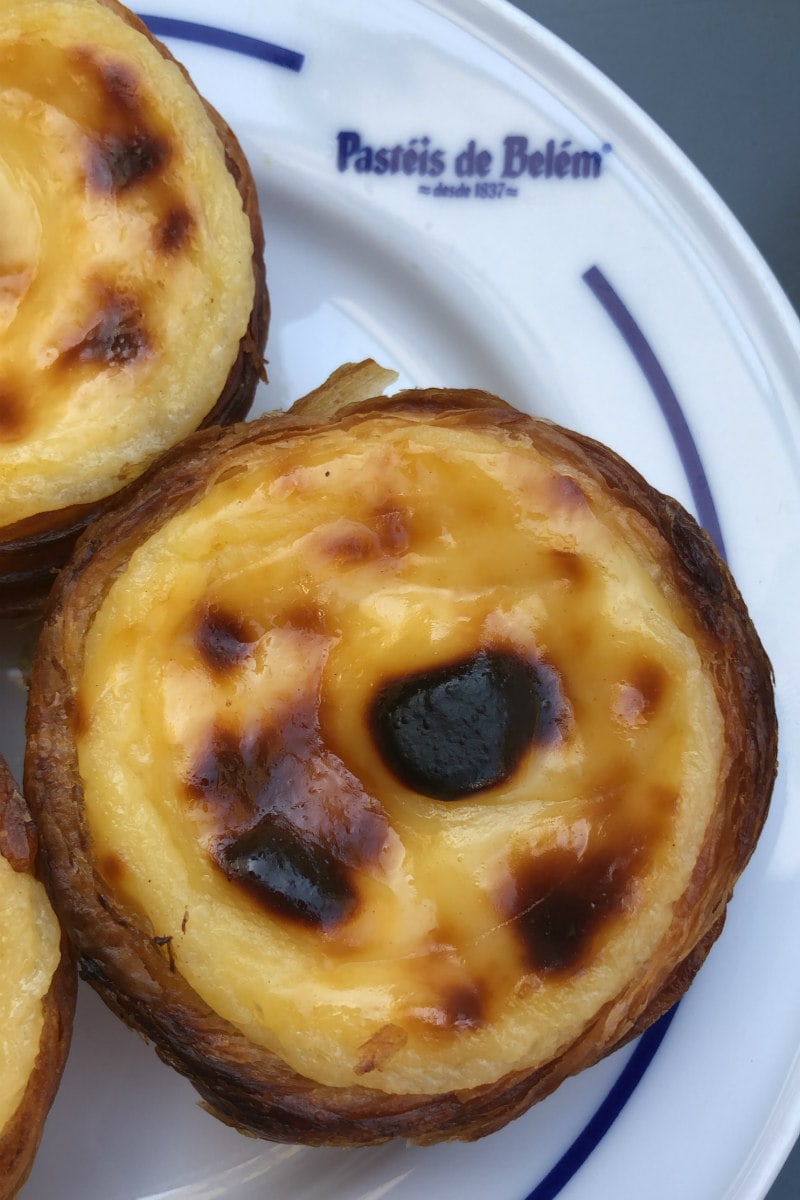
[532, 234]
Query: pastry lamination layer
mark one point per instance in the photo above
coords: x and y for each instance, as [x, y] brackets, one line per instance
[126, 281]
[273, 653]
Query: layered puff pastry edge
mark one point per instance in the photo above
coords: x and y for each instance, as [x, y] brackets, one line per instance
[395, 758]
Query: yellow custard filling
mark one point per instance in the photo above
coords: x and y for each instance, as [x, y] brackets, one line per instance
[126, 280]
[29, 955]
[228, 702]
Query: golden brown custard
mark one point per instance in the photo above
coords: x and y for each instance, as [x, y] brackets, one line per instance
[395, 758]
[398, 744]
[37, 993]
[126, 281]
[29, 955]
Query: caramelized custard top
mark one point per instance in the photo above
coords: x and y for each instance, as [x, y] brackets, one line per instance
[394, 734]
[126, 280]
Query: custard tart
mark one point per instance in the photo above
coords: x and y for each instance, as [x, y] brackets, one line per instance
[38, 981]
[133, 300]
[396, 757]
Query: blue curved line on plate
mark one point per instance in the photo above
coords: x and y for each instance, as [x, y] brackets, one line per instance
[646, 1048]
[629, 1078]
[631, 1075]
[224, 39]
[667, 400]
[609, 1109]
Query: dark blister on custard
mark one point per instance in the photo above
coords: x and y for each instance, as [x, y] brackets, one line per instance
[464, 726]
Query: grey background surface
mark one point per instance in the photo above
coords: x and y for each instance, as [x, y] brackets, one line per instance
[722, 78]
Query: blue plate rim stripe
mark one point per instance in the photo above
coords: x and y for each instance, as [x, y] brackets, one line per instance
[223, 39]
[668, 402]
[606, 1113]
[648, 1044]
[631, 1075]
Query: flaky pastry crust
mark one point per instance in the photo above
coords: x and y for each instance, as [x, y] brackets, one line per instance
[248, 1085]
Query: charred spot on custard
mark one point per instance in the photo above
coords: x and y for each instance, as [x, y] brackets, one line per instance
[232, 775]
[572, 567]
[288, 822]
[563, 901]
[115, 334]
[118, 162]
[174, 231]
[651, 680]
[455, 1008]
[349, 543]
[295, 876]
[351, 547]
[307, 618]
[462, 1007]
[125, 149]
[638, 699]
[223, 639]
[464, 726]
[14, 415]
